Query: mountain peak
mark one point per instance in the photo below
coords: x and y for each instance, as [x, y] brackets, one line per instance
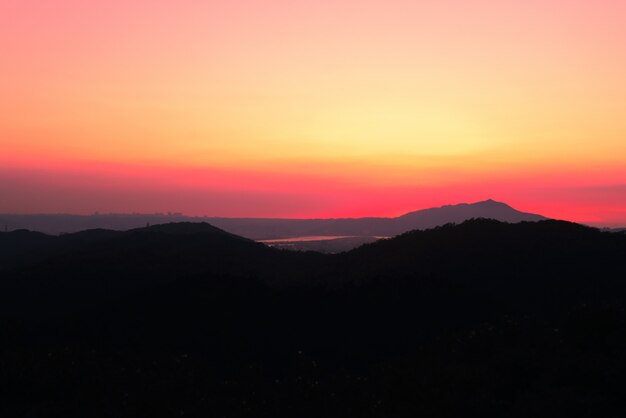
[491, 202]
[488, 209]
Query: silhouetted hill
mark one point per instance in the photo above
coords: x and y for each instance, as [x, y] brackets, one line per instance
[529, 261]
[92, 266]
[14, 245]
[268, 228]
[190, 228]
[483, 318]
[488, 209]
[23, 246]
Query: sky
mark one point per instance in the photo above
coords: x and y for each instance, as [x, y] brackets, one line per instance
[287, 108]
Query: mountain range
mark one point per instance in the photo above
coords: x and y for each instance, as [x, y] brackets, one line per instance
[276, 228]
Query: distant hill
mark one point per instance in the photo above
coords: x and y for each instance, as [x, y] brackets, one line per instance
[269, 228]
[100, 264]
[488, 209]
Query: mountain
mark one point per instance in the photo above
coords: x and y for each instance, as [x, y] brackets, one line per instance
[481, 318]
[259, 228]
[372, 227]
[270, 228]
[488, 209]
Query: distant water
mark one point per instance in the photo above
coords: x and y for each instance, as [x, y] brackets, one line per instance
[306, 238]
[313, 238]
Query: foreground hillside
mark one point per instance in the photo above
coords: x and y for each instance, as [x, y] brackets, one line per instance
[482, 318]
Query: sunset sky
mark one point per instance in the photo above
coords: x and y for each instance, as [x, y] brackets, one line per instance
[287, 108]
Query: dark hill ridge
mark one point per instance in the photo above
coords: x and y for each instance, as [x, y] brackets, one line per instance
[28, 242]
[483, 318]
[189, 228]
[164, 253]
[269, 228]
[184, 239]
[96, 265]
[490, 248]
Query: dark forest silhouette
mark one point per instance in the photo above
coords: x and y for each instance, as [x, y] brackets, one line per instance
[482, 318]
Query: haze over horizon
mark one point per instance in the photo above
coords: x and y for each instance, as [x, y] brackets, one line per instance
[313, 109]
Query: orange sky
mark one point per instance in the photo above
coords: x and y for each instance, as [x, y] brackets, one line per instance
[301, 108]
